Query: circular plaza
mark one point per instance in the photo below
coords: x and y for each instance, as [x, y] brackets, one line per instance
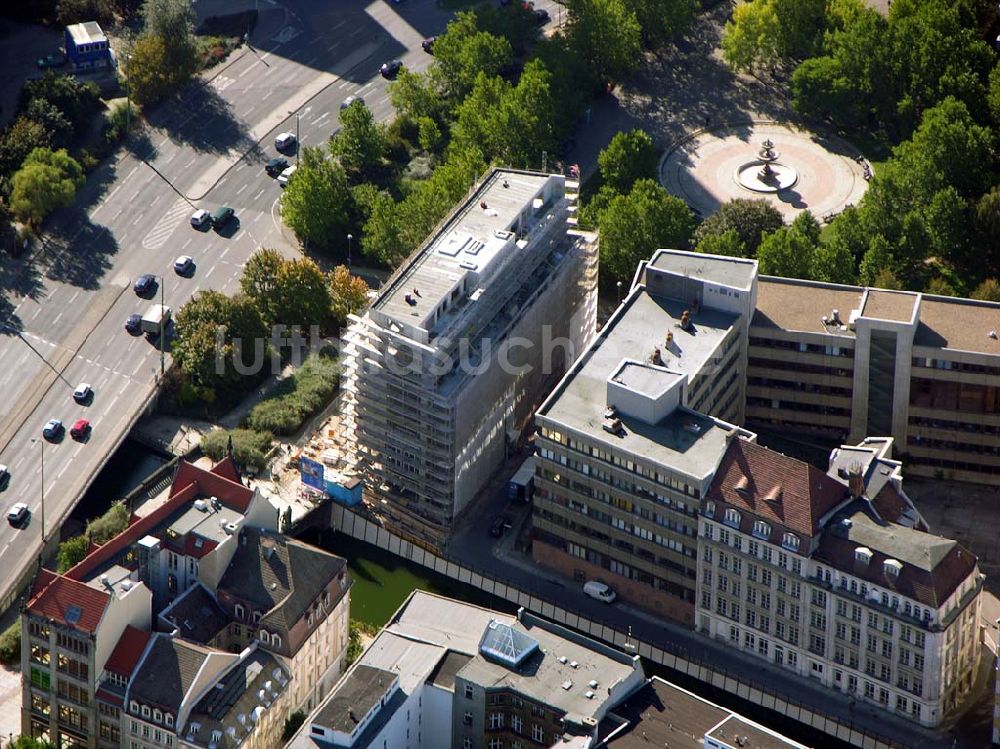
[793, 169]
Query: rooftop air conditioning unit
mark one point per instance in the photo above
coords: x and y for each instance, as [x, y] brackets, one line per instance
[199, 504]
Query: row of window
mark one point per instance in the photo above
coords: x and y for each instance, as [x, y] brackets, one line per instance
[761, 529]
[156, 714]
[805, 348]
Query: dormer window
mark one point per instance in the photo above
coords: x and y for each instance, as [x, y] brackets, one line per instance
[145, 711]
[790, 541]
[158, 715]
[710, 509]
[265, 637]
[169, 720]
[133, 707]
[761, 529]
[240, 612]
[863, 555]
[892, 567]
[256, 617]
[732, 518]
[276, 641]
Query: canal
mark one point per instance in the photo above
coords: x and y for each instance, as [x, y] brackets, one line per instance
[130, 465]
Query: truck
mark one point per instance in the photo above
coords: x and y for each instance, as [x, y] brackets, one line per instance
[522, 483]
[156, 315]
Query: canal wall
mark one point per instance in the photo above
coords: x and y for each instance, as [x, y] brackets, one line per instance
[357, 527]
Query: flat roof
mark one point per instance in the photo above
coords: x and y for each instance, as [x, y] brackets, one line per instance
[688, 442]
[960, 324]
[86, 33]
[728, 271]
[899, 306]
[735, 731]
[644, 378]
[356, 694]
[789, 304]
[209, 523]
[463, 247]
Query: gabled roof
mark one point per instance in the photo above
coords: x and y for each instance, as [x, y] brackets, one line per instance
[67, 601]
[168, 672]
[775, 488]
[125, 657]
[220, 482]
[280, 576]
[932, 566]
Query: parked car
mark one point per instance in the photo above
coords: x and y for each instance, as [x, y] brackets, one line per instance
[133, 324]
[4, 476]
[53, 429]
[55, 60]
[79, 429]
[286, 175]
[391, 69]
[83, 392]
[276, 166]
[222, 216]
[144, 284]
[428, 44]
[200, 217]
[17, 514]
[499, 526]
[599, 591]
[351, 100]
[183, 265]
[284, 141]
[541, 16]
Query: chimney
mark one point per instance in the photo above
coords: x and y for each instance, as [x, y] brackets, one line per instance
[657, 358]
[855, 481]
[670, 338]
[685, 320]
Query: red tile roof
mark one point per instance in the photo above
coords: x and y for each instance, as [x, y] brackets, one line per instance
[227, 469]
[211, 484]
[125, 657]
[775, 488]
[53, 595]
[115, 699]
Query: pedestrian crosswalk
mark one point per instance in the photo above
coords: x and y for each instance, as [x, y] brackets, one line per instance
[166, 225]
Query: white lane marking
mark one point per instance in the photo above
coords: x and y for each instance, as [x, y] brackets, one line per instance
[187, 165]
[224, 253]
[62, 471]
[170, 220]
[137, 219]
[255, 197]
[249, 110]
[138, 366]
[73, 298]
[131, 171]
[185, 245]
[257, 217]
[117, 213]
[18, 462]
[344, 84]
[245, 186]
[112, 193]
[58, 318]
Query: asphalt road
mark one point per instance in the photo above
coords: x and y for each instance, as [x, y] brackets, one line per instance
[64, 307]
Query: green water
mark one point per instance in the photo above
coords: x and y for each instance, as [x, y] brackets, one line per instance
[382, 581]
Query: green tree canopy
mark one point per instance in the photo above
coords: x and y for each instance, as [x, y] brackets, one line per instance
[750, 41]
[348, 294]
[173, 22]
[633, 226]
[787, 252]
[48, 180]
[381, 234]
[748, 218]
[727, 243]
[315, 204]
[305, 296]
[260, 282]
[418, 95]
[147, 70]
[987, 291]
[462, 52]
[21, 138]
[77, 100]
[606, 36]
[629, 157]
[662, 20]
[360, 145]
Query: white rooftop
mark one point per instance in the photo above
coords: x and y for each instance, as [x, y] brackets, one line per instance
[86, 33]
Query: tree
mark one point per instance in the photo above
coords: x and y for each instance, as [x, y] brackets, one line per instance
[219, 338]
[661, 20]
[749, 41]
[993, 94]
[728, 243]
[76, 99]
[381, 235]
[303, 293]
[606, 36]
[173, 22]
[462, 52]
[986, 219]
[147, 70]
[822, 89]
[292, 724]
[348, 294]
[72, 551]
[79, 11]
[627, 158]
[877, 259]
[832, 263]
[260, 281]
[315, 204]
[749, 218]
[360, 144]
[50, 117]
[250, 448]
[786, 252]
[987, 291]
[887, 279]
[940, 287]
[103, 528]
[21, 138]
[418, 95]
[47, 180]
[635, 225]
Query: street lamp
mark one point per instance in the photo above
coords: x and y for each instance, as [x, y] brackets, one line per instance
[41, 443]
[349, 238]
[619, 284]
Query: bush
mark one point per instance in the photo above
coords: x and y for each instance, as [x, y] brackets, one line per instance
[10, 644]
[72, 551]
[250, 447]
[102, 529]
[298, 398]
[292, 724]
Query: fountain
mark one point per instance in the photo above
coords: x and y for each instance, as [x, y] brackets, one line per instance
[765, 174]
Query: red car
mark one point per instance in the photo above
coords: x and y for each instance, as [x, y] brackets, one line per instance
[80, 429]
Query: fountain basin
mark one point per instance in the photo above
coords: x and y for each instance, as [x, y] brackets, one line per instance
[781, 177]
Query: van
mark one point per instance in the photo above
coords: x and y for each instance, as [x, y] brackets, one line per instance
[284, 141]
[599, 591]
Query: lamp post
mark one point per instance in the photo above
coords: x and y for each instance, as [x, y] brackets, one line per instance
[350, 237]
[298, 146]
[619, 284]
[162, 328]
[41, 444]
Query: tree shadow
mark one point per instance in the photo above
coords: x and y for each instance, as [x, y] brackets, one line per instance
[80, 258]
[20, 278]
[201, 119]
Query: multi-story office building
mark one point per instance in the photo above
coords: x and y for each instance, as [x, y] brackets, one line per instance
[444, 673]
[838, 363]
[443, 371]
[208, 570]
[626, 449]
[835, 577]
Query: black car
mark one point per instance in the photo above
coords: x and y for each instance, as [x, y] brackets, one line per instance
[144, 284]
[428, 44]
[541, 16]
[276, 166]
[391, 69]
[133, 325]
[499, 526]
[222, 216]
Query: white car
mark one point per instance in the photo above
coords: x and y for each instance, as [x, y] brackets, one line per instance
[286, 175]
[200, 217]
[284, 140]
[17, 513]
[82, 392]
[350, 100]
[183, 265]
[599, 591]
